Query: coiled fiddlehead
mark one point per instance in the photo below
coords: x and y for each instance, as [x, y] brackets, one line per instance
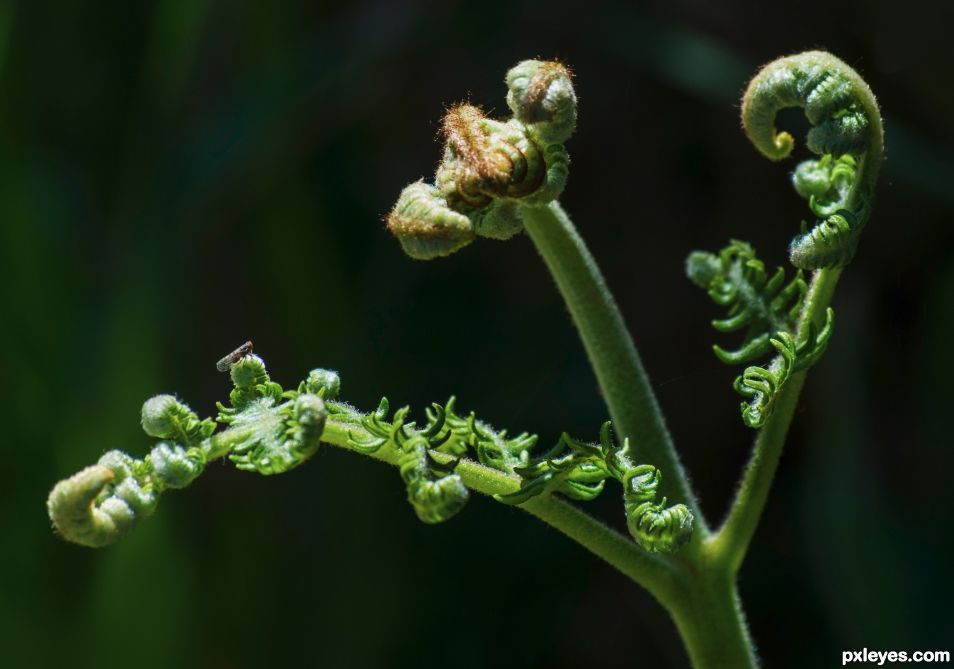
[579, 470]
[655, 526]
[768, 308]
[846, 133]
[270, 431]
[425, 225]
[762, 384]
[435, 492]
[492, 168]
[103, 502]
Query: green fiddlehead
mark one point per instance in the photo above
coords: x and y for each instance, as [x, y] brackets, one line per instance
[761, 385]
[768, 308]
[269, 431]
[103, 502]
[579, 470]
[846, 133]
[655, 526]
[492, 168]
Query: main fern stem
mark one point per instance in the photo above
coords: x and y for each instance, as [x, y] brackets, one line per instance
[616, 363]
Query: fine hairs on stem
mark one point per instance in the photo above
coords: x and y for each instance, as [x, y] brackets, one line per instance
[499, 178]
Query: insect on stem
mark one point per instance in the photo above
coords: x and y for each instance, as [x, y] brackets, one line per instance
[226, 363]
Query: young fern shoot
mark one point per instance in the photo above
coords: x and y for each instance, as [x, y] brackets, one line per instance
[499, 178]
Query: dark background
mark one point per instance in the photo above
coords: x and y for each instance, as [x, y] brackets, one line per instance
[178, 177]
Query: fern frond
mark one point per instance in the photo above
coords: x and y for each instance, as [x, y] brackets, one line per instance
[768, 308]
[846, 133]
[761, 303]
[653, 525]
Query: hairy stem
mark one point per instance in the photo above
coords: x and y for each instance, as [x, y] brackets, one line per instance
[729, 545]
[711, 623]
[619, 371]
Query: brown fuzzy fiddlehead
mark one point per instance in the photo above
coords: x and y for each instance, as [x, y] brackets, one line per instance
[490, 168]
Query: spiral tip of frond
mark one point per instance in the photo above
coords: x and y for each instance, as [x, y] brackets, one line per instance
[248, 372]
[831, 243]
[167, 417]
[702, 267]
[438, 500]
[662, 530]
[158, 416]
[101, 503]
[310, 415]
[426, 226]
[174, 466]
[323, 382]
[835, 99]
[72, 511]
[541, 94]
[465, 132]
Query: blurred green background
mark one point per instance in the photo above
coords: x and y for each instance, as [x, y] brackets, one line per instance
[180, 176]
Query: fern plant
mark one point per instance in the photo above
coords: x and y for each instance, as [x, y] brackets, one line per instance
[499, 178]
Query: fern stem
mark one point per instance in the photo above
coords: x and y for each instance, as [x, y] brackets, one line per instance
[646, 569]
[619, 371]
[712, 625]
[729, 545]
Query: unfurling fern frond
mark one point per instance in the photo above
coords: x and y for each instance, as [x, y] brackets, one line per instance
[578, 470]
[846, 133]
[761, 303]
[761, 385]
[433, 489]
[103, 502]
[653, 525]
[269, 430]
[768, 308]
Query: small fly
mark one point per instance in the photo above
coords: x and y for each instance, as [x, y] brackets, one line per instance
[226, 363]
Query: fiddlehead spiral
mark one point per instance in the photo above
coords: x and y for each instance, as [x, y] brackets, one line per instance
[435, 492]
[579, 470]
[425, 225]
[768, 308]
[269, 431]
[492, 168]
[846, 133]
[540, 94]
[103, 502]
[654, 526]
[761, 385]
